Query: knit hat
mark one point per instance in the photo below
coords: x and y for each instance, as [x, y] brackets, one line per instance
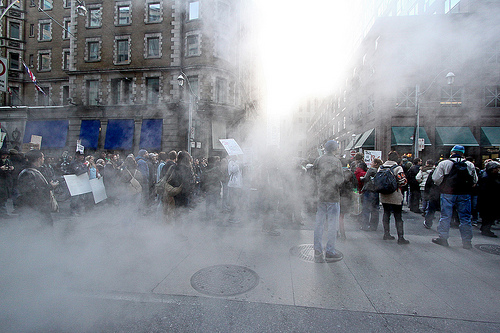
[142, 152]
[458, 148]
[331, 146]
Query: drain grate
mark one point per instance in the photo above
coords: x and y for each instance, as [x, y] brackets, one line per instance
[489, 248]
[224, 280]
[306, 252]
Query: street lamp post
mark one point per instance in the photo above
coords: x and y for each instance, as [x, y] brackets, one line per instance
[190, 134]
[450, 79]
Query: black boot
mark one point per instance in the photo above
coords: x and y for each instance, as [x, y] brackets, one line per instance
[400, 230]
[387, 230]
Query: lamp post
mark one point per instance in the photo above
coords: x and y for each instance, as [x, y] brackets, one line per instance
[450, 77]
[190, 134]
[8, 7]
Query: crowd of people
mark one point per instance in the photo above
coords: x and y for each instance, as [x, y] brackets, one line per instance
[330, 187]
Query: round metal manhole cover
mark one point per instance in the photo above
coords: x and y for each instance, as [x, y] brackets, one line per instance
[489, 248]
[224, 280]
[306, 252]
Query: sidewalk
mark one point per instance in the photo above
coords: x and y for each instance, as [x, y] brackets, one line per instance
[146, 261]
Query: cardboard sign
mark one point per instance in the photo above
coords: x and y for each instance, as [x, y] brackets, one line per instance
[78, 184]
[231, 146]
[98, 189]
[370, 155]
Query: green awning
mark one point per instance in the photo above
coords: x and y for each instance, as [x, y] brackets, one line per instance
[403, 136]
[349, 146]
[367, 140]
[450, 136]
[490, 136]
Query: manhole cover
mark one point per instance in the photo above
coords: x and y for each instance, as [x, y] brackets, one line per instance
[306, 252]
[490, 248]
[224, 280]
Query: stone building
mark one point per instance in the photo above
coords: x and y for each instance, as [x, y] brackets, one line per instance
[109, 74]
[398, 83]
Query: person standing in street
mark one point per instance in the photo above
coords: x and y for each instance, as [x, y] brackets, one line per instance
[489, 187]
[329, 176]
[6, 170]
[455, 177]
[414, 185]
[35, 191]
[393, 202]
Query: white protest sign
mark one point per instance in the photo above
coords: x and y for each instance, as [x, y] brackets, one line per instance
[98, 189]
[36, 139]
[370, 155]
[231, 146]
[78, 184]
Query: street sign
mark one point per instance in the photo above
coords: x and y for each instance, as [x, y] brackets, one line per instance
[353, 153]
[421, 144]
[3, 74]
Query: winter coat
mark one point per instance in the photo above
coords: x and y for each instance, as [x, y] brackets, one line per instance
[422, 176]
[329, 177]
[395, 198]
[489, 188]
[368, 180]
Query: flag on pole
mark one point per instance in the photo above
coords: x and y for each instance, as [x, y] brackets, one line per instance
[33, 79]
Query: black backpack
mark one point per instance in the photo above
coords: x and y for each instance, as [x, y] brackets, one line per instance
[385, 181]
[459, 180]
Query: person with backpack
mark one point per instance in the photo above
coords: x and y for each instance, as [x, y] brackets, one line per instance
[388, 181]
[455, 178]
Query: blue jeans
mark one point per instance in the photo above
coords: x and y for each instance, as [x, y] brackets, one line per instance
[327, 212]
[462, 203]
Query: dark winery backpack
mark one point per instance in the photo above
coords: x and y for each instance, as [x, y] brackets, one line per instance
[458, 181]
[385, 181]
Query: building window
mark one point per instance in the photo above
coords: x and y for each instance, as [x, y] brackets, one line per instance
[152, 90]
[153, 46]
[94, 19]
[32, 30]
[46, 4]
[93, 51]
[43, 96]
[67, 3]
[120, 91]
[67, 28]
[493, 54]
[406, 98]
[492, 95]
[92, 92]
[223, 12]
[31, 61]
[193, 45]
[43, 61]
[14, 30]
[14, 60]
[451, 96]
[65, 95]
[154, 12]
[222, 47]
[32, 3]
[123, 14]
[193, 83]
[194, 10]
[45, 31]
[14, 96]
[65, 64]
[221, 91]
[122, 50]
